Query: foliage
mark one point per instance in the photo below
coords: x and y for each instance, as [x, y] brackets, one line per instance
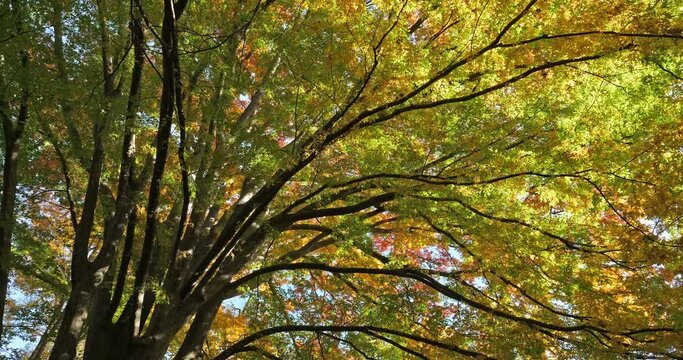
[344, 179]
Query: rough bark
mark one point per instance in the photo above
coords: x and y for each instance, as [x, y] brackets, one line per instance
[124, 338]
[167, 105]
[74, 318]
[191, 348]
[101, 337]
[86, 278]
[7, 211]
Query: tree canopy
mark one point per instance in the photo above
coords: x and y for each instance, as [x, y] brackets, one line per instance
[345, 179]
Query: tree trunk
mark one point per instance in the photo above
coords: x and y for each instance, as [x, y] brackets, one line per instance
[191, 349]
[162, 335]
[82, 278]
[9, 188]
[99, 324]
[75, 316]
[13, 131]
[166, 321]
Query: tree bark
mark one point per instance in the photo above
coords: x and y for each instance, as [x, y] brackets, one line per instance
[191, 348]
[102, 336]
[13, 131]
[83, 279]
[75, 316]
[166, 109]
[7, 214]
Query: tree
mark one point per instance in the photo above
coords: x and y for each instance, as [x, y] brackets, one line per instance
[14, 113]
[371, 179]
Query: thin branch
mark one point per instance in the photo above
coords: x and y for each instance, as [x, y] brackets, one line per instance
[498, 86]
[397, 345]
[370, 330]
[415, 275]
[318, 213]
[351, 345]
[595, 32]
[260, 351]
[677, 77]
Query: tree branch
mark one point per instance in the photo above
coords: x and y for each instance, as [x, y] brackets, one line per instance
[369, 330]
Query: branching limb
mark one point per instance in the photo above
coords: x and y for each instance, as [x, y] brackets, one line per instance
[415, 275]
[369, 330]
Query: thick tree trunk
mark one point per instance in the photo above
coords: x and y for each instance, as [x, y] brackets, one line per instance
[165, 323]
[92, 281]
[166, 110]
[99, 324]
[108, 341]
[125, 339]
[82, 280]
[13, 131]
[9, 188]
[75, 316]
[191, 349]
